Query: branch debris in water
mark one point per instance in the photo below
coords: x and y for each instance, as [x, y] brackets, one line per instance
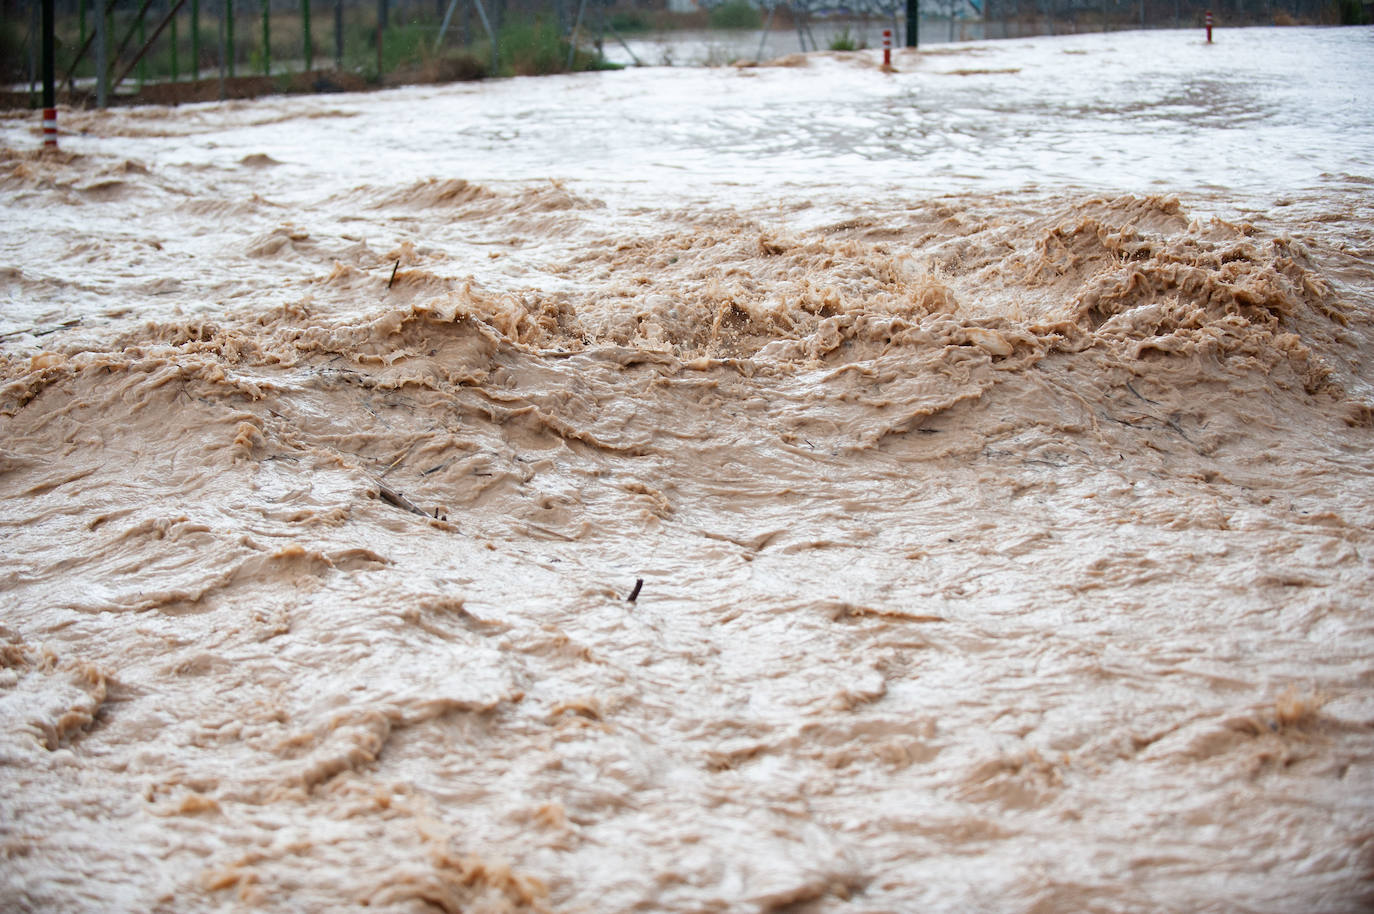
[392, 497]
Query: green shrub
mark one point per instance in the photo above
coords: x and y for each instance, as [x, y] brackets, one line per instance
[1352, 12]
[405, 44]
[533, 47]
[844, 41]
[736, 14]
[631, 21]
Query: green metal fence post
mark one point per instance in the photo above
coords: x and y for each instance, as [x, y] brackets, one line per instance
[102, 54]
[195, 40]
[305, 26]
[266, 38]
[229, 33]
[381, 25]
[142, 37]
[223, 57]
[176, 71]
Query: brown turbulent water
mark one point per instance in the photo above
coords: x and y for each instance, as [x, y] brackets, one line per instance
[999, 552]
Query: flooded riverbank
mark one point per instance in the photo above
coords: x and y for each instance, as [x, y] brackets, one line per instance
[991, 440]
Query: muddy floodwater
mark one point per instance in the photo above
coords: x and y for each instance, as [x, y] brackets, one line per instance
[988, 444]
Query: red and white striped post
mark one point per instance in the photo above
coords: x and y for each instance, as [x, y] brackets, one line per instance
[887, 47]
[49, 128]
[1209, 26]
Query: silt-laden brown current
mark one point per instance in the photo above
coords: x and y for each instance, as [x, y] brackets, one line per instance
[1000, 551]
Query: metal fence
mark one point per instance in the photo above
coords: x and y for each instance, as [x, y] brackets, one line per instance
[169, 50]
[108, 49]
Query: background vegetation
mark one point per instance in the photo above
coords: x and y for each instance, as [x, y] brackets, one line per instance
[395, 41]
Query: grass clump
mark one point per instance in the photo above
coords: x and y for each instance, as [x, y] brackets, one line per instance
[404, 44]
[534, 47]
[735, 14]
[844, 41]
[408, 53]
[628, 22]
[531, 48]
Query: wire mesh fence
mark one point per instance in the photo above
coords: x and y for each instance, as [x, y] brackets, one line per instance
[136, 44]
[168, 50]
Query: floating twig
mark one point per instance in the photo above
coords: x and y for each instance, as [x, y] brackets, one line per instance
[547, 531]
[1138, 394]
[634, 594]
[393, 274]
[1173, 424]
[392, 497]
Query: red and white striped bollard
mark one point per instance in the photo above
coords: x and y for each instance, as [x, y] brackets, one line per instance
[49, 128]
[887, 47]
[1209, 26]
